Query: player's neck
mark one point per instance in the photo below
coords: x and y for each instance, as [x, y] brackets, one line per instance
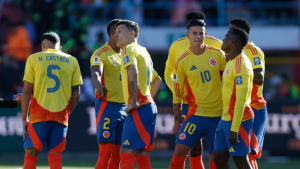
[234, 53]
[113, 45]
[196, 50]
[129, 42]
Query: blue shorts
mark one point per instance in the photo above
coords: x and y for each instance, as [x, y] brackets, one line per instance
[54, 133]
[222, 138]
[110, 119]
[184, 112]
[259, 128]
[196, 127]
[139, 128]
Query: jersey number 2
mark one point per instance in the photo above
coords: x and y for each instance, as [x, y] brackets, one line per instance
[54, 77]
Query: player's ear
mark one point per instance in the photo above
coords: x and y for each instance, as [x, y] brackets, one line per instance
[132, 33]
[187, 34]
[186, 26]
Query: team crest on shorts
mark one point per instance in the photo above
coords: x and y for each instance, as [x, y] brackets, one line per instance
[106, 134]
[182, 136]
[227, 72]
[213, 62]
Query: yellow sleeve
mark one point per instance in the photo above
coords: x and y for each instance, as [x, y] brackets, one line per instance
[179, 83]
[29, 71]
[169, 78]
[170, 68]
[96, 60]
[130, 57]
[218, 44]
[155, 74]
[243, 89]
[257, 59]
[222, 61]
[76, 76]
[171, 58]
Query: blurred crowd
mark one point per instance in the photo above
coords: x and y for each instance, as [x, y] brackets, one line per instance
[22, 22]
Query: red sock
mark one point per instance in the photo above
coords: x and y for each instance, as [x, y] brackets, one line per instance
[143, 162]
[54, 161]
[212, 165]
[105, 151]
[178, 162]
[196, 162]
[127, 161]
[30, 162]
[114, 162]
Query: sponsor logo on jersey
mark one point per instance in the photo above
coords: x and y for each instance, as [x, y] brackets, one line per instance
[227, 71]
[239, 80]
[96, 60]
[126, 59]
[193, 68]
[182, 136]
[106, 134]
[175, 77]
[256, 61]
[126, 142]
[213, 62]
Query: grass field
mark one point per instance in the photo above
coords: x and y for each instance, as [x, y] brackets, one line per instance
[157, 163]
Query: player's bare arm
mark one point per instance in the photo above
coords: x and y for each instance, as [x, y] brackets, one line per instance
[27, 90]
[96, 73]
[75, 96]
[156, 83]
[177, 114]
[133, 88]
[258, 76]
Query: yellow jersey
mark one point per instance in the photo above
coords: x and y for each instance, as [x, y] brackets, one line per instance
[236, 91]
[134, 54]
[111, 75]
[53, 73]
[177, 49]
[257, 58]
[201, 75]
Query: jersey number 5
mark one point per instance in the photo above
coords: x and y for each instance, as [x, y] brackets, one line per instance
[54, 77]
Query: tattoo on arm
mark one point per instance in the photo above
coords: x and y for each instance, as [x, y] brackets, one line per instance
[177, 112]
[133, 83]
[75, 89]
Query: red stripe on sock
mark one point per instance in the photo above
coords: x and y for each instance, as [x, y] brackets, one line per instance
[178, 162]
[54, 161]
[105, 152]
[114, 162]
[196, 162]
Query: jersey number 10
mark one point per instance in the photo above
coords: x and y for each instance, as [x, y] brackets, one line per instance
[54, 77]
[206, 75]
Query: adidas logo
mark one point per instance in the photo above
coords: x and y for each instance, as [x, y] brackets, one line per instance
[126, 142]
[115, 63]
[231, 150]
[193, 68]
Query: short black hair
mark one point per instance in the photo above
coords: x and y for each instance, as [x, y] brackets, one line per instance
[241, 23]
[240, 35]
[112, 23]
[53, 37]
[196, 22]
[133, 26]
[195, 15]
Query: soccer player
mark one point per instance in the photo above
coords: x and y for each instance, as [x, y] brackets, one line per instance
[258, 103]
[110, 105]
[234, 130]
[177, 48]
[198, 69]
[54, 78]
[136, 71]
